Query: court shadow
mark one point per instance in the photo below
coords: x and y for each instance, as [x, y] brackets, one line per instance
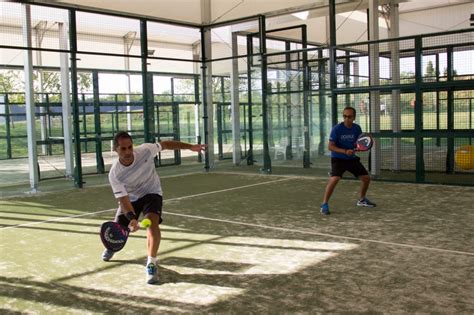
[58, 294]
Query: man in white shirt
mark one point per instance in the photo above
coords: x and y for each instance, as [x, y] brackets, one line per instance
[137, 187]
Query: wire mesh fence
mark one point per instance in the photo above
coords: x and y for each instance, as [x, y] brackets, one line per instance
[414, 94]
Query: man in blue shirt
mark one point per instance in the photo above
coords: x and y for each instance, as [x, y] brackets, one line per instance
[342, 141]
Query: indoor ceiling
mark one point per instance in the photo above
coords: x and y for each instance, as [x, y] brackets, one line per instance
[415, 17]
[224, 10]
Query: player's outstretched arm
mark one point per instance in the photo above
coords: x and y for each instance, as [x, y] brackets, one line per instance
[178, 145]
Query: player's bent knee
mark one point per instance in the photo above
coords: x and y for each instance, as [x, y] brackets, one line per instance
[154, 217]
[335, 178]
[365, 178]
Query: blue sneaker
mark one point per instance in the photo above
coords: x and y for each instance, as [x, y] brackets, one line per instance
[364, 202]
[107, 254]
[325, 209]
[151, 274]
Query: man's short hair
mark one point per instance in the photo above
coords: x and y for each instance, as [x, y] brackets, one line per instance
[121, 135]
[351, 108]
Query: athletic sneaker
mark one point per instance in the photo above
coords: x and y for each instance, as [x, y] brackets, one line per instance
[365, 203]
[107, 254]
[325, 209]
[151, 274]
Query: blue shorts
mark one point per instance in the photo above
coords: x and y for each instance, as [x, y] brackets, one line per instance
[151, 203]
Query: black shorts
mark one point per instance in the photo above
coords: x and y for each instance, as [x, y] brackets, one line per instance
[339, 166]
[151, 203]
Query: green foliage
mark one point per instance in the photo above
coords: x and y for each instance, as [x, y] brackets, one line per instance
[430, 70]
[84, 82]
[407, 77]
[10, 81]
[445, 72]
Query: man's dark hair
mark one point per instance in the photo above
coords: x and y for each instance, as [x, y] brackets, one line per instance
[121, 135]
[351, 108]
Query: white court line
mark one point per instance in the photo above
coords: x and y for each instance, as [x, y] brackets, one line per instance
[56, 219]
[326, 177]
[308, 177]
[27, 194]
[167, 200]
[324, 234]
[229, 189]
[257, 225]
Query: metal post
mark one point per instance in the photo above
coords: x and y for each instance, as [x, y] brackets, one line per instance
[29, 99]
[374, 64]
[450, 109]
[306, 87]
[75, 102]
[97, 125]
[84, 121]
[49, 125]
[235, 108]
[438, 109]
[249, 98]
[332, 60]
[66, 102]
[420, 164]
[128, 40]
[7, 127]
[197, 129]
[206, 80]
[470, 119]
[147, 114]
[289, 114]
[395, 71]
[116, 116]
[40, 30]
[150, 101]
[175, 120]
[347, 76]
[267, 164]
[219, 130]
[176, 131]
[322, 102]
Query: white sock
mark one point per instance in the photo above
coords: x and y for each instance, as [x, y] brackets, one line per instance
[151, 260]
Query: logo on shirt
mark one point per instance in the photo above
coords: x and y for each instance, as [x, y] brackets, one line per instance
[347, 137]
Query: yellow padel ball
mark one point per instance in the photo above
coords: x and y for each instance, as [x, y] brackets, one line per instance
[146, 223]
[464, 157]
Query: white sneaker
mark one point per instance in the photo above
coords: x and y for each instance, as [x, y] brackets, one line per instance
[151, 274]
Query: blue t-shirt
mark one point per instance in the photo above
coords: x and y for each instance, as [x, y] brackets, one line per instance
[344, 138]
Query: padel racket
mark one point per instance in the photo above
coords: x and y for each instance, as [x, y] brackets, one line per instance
[364, 142]
[113, 235]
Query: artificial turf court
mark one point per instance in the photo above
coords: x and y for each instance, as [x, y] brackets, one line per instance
[245, 243]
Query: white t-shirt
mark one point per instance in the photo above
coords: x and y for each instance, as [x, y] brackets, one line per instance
[139, 178]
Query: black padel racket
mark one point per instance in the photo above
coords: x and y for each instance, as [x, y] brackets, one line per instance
[364, 142]
[113, 235]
